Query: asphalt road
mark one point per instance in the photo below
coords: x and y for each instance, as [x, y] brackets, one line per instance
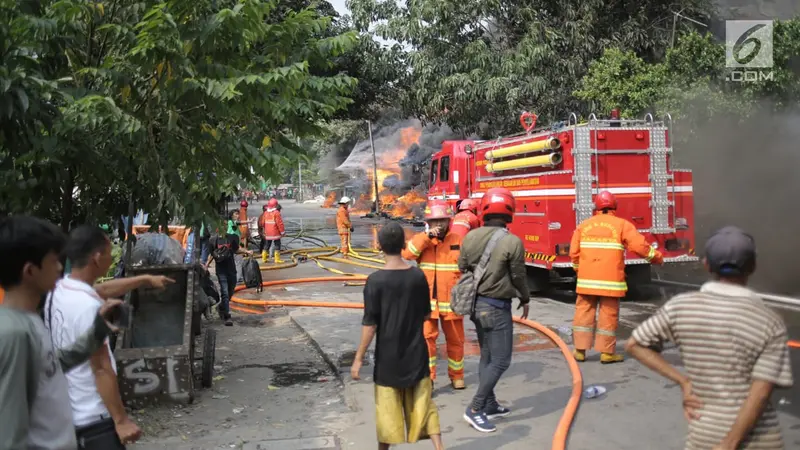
[312, 219]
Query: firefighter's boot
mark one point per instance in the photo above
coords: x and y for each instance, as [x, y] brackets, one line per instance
[579, 355]
[459, 384]
[264, 256]
[278, 259]
[610, 358]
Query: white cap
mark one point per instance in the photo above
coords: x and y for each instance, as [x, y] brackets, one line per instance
[344, 199]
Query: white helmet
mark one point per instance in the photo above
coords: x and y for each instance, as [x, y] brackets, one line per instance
[344, 199]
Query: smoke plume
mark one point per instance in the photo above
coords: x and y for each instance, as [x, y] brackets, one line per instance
[745, 174]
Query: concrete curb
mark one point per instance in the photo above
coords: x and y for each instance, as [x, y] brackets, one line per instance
[332, 361]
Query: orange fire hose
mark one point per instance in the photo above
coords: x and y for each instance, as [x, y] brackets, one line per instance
[564, 424]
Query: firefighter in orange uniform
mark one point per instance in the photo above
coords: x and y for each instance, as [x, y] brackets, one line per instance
[467, 217]
[597, 251]
[436, 252]
[343, 224]
[272, 224]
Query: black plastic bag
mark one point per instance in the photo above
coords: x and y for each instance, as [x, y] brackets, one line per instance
[251, 273]
[208, 287]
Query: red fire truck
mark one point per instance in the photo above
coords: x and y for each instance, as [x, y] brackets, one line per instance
[555, 172]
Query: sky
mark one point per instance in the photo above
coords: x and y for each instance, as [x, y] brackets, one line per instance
[339, 6]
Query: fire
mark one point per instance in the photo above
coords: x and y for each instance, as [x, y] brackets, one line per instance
[406, 206]
[363, 205]
[330, 200]
[389, 162]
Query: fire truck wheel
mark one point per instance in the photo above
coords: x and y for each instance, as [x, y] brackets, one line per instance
[638, 274]
[538, 279]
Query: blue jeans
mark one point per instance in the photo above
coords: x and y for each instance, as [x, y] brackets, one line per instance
[495, 329]
[204, 249]
[227, 284]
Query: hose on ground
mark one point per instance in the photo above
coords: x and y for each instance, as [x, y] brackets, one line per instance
[561, 433]
[568, 416]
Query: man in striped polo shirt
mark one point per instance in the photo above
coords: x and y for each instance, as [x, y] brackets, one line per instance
[733, 347]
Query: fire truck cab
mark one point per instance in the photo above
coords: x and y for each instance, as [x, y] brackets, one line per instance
[555, 173]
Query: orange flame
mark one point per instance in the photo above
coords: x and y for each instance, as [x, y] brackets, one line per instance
[389, 164]
[330, 200]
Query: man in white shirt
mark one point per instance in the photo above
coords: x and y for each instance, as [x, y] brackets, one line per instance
[99, 416]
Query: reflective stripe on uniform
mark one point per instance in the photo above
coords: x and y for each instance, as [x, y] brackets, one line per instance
[574, 266]
[462, 223]
[455, 365]
[439, 267]
[650, 255]
[272, 238]
[602, 284]
[607, 333]
[432, 361]
[442, 307]
[578, 329]
[413, 249]
[603, 245]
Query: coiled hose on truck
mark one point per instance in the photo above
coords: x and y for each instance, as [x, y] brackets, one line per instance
[324, 252]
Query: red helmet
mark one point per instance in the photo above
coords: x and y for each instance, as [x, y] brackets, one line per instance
[605, 200]
[470, 204]
[244, 204]
[438, 209]
[272, 203]
[498, 201]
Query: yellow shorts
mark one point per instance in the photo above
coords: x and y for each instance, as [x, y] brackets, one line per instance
[406, 414]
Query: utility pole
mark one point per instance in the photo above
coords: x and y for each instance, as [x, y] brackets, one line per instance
[299, 176]
[374, 168]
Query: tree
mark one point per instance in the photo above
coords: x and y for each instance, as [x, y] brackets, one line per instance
[692, 82]
[171, 103]
[477, 64]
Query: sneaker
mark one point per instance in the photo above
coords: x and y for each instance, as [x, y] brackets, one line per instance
[479, 421]
[496, 411]
[228, 322]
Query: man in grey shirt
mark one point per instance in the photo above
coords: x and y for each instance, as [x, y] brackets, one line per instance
[35, 410]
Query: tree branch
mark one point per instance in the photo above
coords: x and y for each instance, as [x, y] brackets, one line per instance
[114, 9]
[150, 92]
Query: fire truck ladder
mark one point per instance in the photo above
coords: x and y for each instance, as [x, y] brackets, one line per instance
[583, 177]
[661, 178]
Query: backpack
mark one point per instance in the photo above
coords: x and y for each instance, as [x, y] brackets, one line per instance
[252, 274]
[221, 253]
[465, 292]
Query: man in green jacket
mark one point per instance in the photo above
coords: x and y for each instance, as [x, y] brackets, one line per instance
[505, 279]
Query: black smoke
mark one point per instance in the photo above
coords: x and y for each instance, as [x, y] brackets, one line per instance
[413, 167]
[745, 174]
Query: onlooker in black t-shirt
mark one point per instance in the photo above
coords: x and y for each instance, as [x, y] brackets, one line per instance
[396, 305]
[223, 249]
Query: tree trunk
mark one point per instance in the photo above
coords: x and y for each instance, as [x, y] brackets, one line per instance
[67, 201]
